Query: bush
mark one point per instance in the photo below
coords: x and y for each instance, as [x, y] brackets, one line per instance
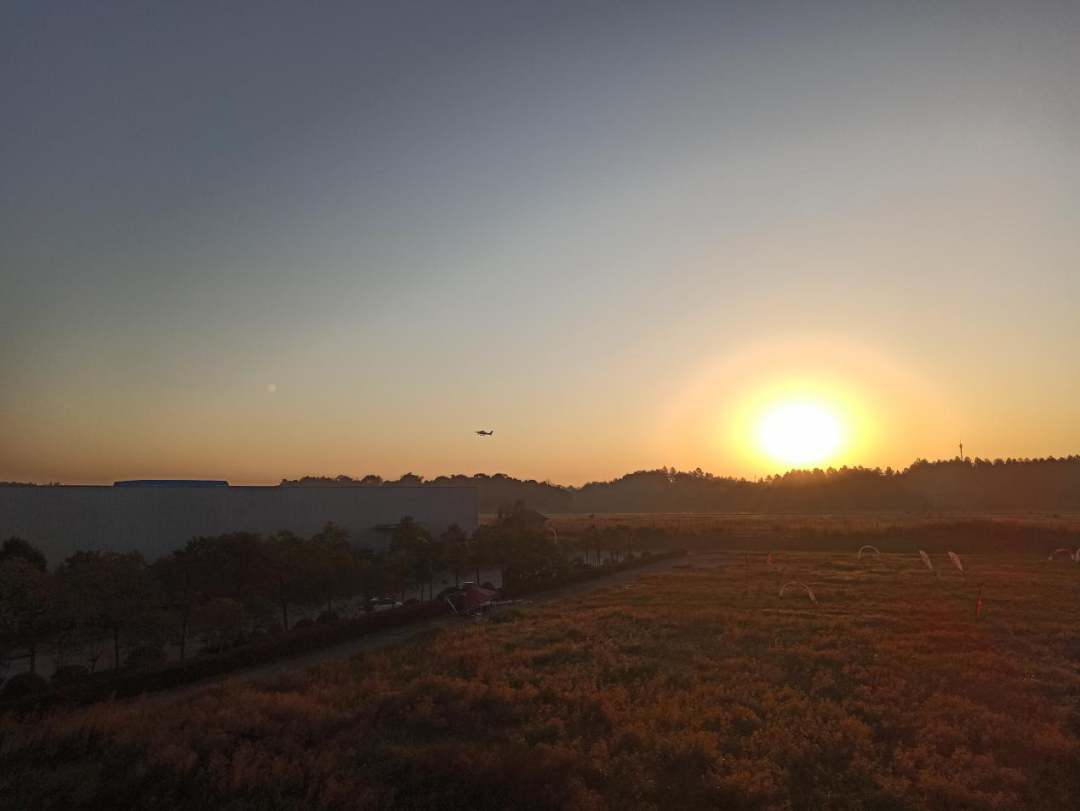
[302, 623]
[68, 674]
[144, 656]
[21, 685]
[327, 616]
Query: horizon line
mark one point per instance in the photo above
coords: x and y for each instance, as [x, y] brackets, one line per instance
[971, 460]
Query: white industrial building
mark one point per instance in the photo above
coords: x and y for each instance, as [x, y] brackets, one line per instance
[157, 517]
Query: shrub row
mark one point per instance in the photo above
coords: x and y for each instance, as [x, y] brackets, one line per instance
[113, 684]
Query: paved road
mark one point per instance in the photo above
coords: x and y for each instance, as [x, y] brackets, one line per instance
[383, 638]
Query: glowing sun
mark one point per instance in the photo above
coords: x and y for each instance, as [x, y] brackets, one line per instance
[799, 433]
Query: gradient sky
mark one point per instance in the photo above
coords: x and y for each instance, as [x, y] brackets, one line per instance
[608, 231]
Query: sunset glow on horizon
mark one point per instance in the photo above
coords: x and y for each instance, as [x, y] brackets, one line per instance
[620, 236]
[743, 338]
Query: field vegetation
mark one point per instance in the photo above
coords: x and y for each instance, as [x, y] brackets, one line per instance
[1026, 533]
[835, 527]
[696, 689]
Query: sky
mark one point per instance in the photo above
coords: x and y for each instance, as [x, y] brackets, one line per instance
[263, 240]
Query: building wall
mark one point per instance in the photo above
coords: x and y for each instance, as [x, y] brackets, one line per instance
[157, 520]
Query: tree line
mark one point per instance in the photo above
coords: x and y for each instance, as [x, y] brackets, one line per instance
[1050, 483]
[116, 609]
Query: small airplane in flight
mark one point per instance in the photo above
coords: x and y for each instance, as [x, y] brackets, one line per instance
[484, 433]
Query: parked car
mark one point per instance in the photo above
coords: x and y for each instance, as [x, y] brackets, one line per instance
[381, 604]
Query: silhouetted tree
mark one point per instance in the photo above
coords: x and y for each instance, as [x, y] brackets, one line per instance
[18, 548]
[457, 552]
[410, 540]
[294, 571]
[179, 580]
[398, 572]
[236, 565]
[108, 589]
[25, 617]
[334, 567]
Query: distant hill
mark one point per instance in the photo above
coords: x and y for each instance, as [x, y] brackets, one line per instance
[969, 485]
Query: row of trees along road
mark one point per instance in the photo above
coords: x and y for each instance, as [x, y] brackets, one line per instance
[117, 608]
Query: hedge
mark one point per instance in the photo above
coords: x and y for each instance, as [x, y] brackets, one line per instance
[119, 685]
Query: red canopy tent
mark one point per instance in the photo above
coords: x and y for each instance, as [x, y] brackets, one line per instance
[476, 598]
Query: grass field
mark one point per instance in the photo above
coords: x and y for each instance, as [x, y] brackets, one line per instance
[694, 690]
[752, 525]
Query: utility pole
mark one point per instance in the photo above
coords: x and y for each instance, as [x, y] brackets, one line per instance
[961, 450]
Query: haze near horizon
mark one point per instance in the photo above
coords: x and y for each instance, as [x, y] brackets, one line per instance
[258, 241]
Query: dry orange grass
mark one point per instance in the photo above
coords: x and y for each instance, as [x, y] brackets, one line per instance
[694, 690]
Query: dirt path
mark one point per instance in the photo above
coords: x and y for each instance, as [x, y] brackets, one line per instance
[390, 637]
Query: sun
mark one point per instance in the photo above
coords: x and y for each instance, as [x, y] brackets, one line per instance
[800, 432]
